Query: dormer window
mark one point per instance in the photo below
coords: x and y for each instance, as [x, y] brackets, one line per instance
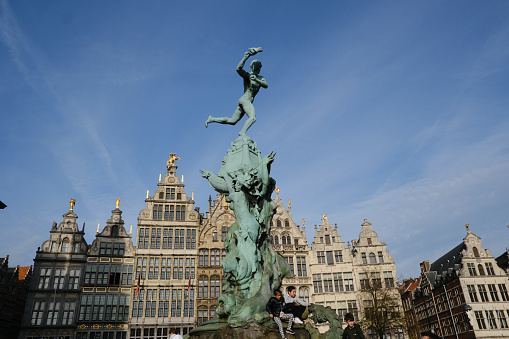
[114, 231]
[170, 193]
[476, 252]
[481, 269]
[369, 242]
[53, 246]
[65, 245]
[278, 223]
[287, 223]
[372, 258]
[327, 239]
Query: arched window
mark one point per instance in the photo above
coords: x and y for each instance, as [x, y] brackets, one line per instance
[288, 240]
[203, 286]
[476, 252]
[215, 287]
[203, 314]
[304, 294]
[65, 245]
[276, 240]
[481, 269]
[212, 312]
[287, 223]
[114, 231]
[372, 258]
[278, 223]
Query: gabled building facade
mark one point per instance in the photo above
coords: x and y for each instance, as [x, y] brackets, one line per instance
[14, 284]
[464, 294]
[107, 283]
[211, 250]
[290, 241]
[55, 289]
[340, 272]
[165, 261]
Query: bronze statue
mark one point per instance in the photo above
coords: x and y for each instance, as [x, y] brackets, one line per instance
[252, 83]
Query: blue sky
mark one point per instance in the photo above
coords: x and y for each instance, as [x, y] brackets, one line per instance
[392, 111]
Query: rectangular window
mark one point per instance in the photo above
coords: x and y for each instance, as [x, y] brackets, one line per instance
[483, 293]
[491, 319]
[74, 278]
[471, 269]
[37, 312]
[472, 293]
[348, 280]
[363, 278]
[380, 257]
[172, 212]
[489, 269]
[58, 281]
[338, 282]
[503, 292]
[170, 193]
[388, 279]
[327, 283]
[502, 319]
[321, 257]
[493, 292]
[53, 309]
[330, 258]
[375, 278]
[301, 267]
[317, 283]
[68, 314]
[338, 256]
[289, 261]
[364, 258]
[44, 278]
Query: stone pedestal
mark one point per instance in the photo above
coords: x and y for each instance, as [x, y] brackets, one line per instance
[217, 330]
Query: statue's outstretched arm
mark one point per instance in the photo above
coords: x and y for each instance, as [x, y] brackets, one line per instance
[240, 66]
[217, 183]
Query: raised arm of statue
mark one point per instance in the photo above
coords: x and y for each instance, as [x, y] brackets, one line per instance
[240, 66]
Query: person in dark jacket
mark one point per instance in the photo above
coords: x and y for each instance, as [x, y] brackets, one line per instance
[352, 330]
[275, 309]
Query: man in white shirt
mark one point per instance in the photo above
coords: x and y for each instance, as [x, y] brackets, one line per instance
[174, 334]
[294, 304]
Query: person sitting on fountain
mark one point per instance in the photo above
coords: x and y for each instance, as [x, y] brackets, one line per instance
[294, 304]
[275, 309]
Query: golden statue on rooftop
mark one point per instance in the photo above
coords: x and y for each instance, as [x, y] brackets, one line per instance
[173, 158]
[117, 202]
[72, 202]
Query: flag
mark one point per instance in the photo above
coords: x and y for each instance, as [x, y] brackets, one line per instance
[138, 286]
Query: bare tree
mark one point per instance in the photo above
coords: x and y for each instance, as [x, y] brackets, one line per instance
[381, 303]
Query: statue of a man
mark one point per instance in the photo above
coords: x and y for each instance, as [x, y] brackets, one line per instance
[252, 83]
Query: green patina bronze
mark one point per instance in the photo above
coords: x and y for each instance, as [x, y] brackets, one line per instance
[321, 314]
[252, 83]
[252, 269]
